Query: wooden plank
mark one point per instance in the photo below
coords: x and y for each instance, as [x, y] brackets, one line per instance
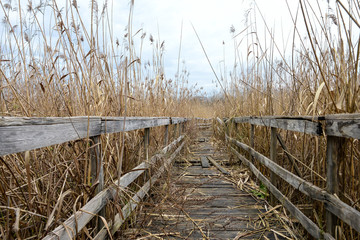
[343, 128]
[303, 126]
[204, 162]
[88, 211]
[348, 214]
[309, 225]
[113, 125]
[221, 169]
[23, 134]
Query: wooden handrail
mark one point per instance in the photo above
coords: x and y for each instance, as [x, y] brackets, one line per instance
[342, 125]
[23, 134]
[334, 127]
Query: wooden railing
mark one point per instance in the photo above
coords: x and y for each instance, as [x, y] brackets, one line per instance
[334, 128]
[24, 134]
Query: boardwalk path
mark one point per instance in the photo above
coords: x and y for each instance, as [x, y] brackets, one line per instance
[197, 202]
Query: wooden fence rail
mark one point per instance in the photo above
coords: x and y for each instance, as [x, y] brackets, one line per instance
[334, 128]
[24, 134]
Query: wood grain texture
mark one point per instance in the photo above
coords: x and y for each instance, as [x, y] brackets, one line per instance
[27, 134]
[23, 134]
[343, 128]
[303, 126]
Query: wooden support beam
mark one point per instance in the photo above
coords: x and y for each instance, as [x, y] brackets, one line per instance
[97, 173]
[166, 135]
[333, 150]
[252, 139]
[273, 156]
[146, 143]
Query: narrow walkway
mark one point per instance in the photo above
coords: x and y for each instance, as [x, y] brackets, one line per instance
[197, 201]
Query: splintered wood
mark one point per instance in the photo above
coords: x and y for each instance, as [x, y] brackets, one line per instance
[199, 201]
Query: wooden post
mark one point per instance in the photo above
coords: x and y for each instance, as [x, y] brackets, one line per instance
[252, 143]
[179, 126]
[97, 172]
[273, 141]
[333, 150]
[166, 136]
[175, 130]
[146, 143]
[236, 128]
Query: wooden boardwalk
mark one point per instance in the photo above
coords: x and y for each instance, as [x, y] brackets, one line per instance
[197, 201]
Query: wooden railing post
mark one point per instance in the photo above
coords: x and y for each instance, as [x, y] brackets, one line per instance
[333, 152]
[97, 173]
[179, 126]
[175, 130]
[146, 143]
[252, 141]
[166, 135]
[273, 154]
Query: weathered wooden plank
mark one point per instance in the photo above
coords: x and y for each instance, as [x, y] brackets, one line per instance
[27, 134]
[291, 124]
[113, 125]
[23, 134]
[309, 225]
[343, 128]
[303, 126]
[204, 162]
[340, 125]
[88, 211]
[220, 168]
[347, 213]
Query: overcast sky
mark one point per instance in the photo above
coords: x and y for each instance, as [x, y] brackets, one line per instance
[212, 20]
